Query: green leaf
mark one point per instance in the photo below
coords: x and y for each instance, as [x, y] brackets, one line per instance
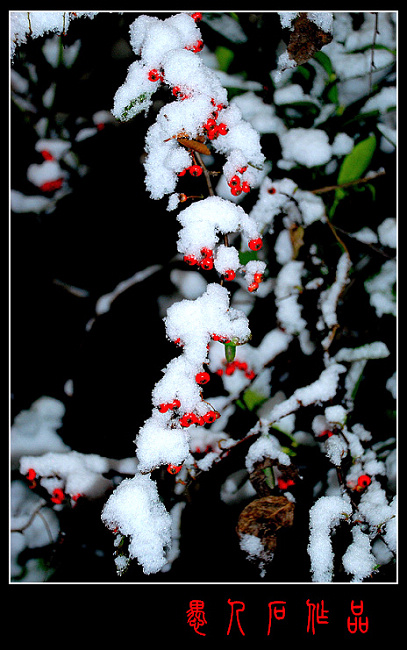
[134, 107]
[230, 352]
[325, 61]
[247, 256]
[253, 399]
[357, 161]
[224, 56]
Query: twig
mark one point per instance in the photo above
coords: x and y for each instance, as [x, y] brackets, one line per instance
[372, 65]
[206, 173]
[331, 188]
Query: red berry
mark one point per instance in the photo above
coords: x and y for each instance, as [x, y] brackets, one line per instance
[197, 47]
[242, 365]
[326, 434]
[190, 259]
[184, 171]
[206, 264]
[197, 16]
[236, 191]
[245, 187]
[57, 496]
[50, 186]
[195, 170]
[219, 372]
[218, 337]
[230, 368]
[364, 481]
[242, 170]
[202, 378]
[207, 252]
[210, 124]
[188, 419]
[175, 404]
[46, 155]
[210, 417]
[250, 374]
[229, 275]
[234, 181]
[154, 75]
[212, 133]
[31, 474]
[272, 190]
[255, 244]
[174, 469]
[163, 408]
[253, 287]
[258, 277]
[222, 128]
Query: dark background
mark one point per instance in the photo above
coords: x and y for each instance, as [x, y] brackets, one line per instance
[102, 233]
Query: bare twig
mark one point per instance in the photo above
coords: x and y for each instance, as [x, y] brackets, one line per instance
[358, 181]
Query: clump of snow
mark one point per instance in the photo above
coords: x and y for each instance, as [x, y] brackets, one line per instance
[256, 552]
[380, 289]
[136, 511]
[326, 513]
[75, 473]
[33, 24]
[308, 147]
[358, 560]
[267, 446]
[35, 430]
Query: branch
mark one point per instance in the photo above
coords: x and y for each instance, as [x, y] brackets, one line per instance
[358, 181]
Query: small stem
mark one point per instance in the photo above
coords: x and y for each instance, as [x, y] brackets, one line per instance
[331, 188]
[206, 174]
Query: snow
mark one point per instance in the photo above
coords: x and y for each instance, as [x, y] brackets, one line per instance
[287, 289]
[380, 289]
[326, 513]
[33, 24]
[34, 430]
[309, 147]
[358, 560]
[158, 444]
[136, 510]
[74, 472]
[267, 446]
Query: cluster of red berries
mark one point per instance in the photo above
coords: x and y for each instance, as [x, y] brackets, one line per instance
[231, 366]
[283, 485]
[206, 261]
[196, 47]
[212, 128]
[236, 187]
[191, 418]
[194, 170]
[58, 495]
[253, 286]
[166, 406]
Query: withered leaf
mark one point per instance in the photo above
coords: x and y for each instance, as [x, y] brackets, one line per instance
[264, 517]
[306, 39]
[296, 237]
[263, 476]
[195, 145]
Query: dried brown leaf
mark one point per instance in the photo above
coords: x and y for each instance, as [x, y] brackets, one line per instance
[264, 517]
[306, 39]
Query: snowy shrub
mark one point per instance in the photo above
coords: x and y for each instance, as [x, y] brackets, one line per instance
[258, 221]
